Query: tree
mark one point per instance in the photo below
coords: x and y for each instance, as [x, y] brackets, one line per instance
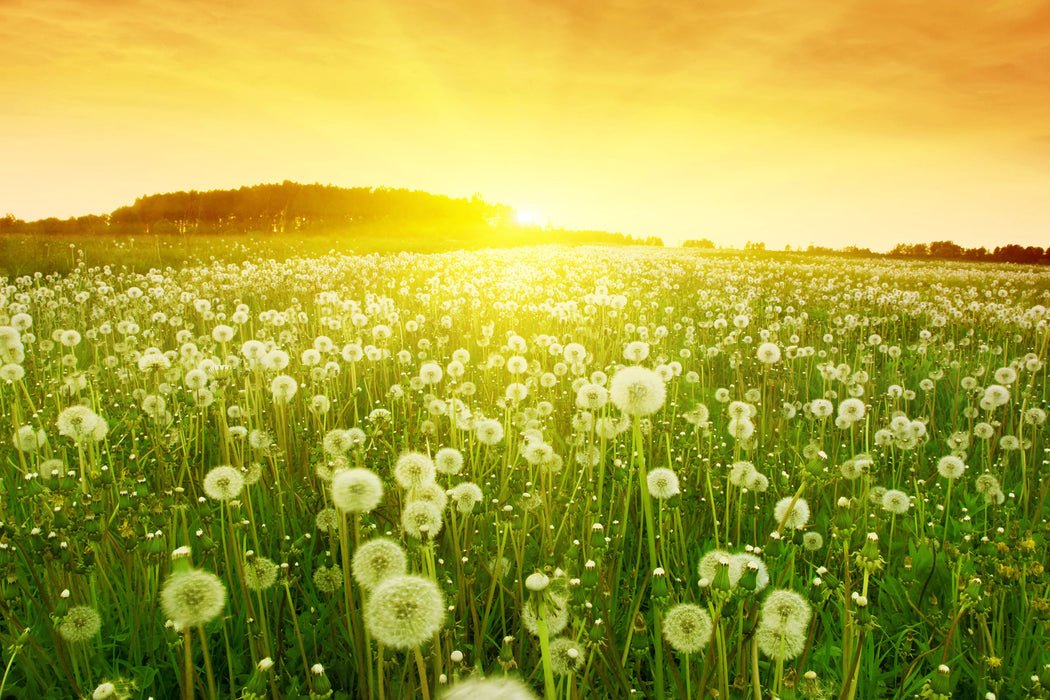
[945, 249]
[9, 224]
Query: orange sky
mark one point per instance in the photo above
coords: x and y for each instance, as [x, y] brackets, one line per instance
[836, 122]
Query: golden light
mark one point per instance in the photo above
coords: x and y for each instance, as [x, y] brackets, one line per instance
[528, 217]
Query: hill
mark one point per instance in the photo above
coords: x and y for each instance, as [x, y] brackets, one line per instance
[294, 208]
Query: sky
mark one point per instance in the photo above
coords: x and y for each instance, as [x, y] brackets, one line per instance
[826, 122]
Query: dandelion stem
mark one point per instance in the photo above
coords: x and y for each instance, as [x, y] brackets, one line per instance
[756, 683]
[650, 532]
[421, 668]
[947, 508]
[545, 650]
[213, 692]
[15, 648]
[187, 664]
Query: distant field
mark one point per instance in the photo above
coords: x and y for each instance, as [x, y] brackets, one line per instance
[21, 254]
[592, 472]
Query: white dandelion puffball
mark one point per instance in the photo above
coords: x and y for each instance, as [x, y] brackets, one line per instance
[687, 628]
[768, 353]
[414, 469]
[421, 519]
[779, 643]
[798, 515]
[81, 424]
[662, 483]
[895, 501]
[192, 598]
[637, 391]
[404, 611]
[786, 610]
[448, 460]
[377, 560]
[223, 483]
[950, 467]
[283, 388]
[494, 688]
[80, 623]
[356, 490]
[466, 495]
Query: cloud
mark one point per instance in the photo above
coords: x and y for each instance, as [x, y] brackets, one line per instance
[582, 103]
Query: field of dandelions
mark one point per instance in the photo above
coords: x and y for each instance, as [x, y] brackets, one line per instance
[531, 473]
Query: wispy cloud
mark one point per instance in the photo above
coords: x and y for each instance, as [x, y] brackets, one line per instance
[560, 101]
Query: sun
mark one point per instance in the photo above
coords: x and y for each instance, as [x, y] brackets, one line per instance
[527, 217]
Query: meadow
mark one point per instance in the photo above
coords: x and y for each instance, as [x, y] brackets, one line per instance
[538, 472]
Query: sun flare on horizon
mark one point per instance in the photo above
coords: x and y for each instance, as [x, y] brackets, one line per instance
[528, 217]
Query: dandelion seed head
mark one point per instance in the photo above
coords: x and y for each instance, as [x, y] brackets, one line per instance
[567, 656]
[997, 395]
[768, 353]
[431, 493]
[896, 502]
[376, 560]
[337, 442]
[950, 467]
[1035, 416]
[79, 624]
[466, 495]
[798, 515]
[327, 520]
[851, 410]
[1009, 443]
[821, 408]
[785, 609]
[421, 519]
[494, 688]
[687, 628]
[328, 579]
[812, 541]
[557, 615]
[81, 424]
[591, 397]
[1005, 375]
[740, 473]
[448, 460]
[11, 372]
[488, 431]
[414, 469]
[404, 611]
[739, 410]
[740, 429]
[662, 483]
[758, 482]
[986, 483]
[516, 392]
[260, 573]
[779, 643]
[259, 439]
[28, 439]
[283, 388]
[637, 391]
[192, 598]
[356, 490]
[223, 483]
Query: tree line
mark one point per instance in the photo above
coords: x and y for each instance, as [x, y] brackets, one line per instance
[294, 208]
[938, 250]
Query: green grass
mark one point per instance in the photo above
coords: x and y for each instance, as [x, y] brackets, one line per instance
[104, 524]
